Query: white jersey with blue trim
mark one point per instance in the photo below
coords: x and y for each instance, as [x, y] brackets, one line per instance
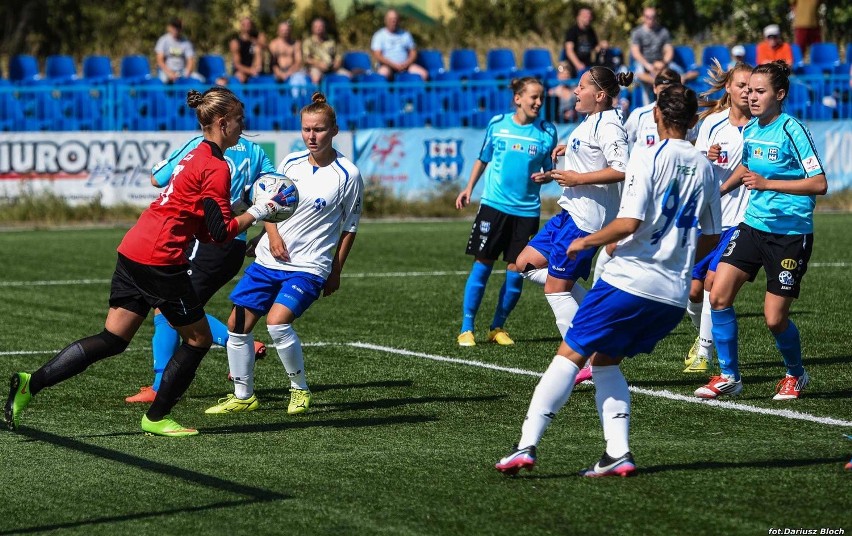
[597, 143]
[717, 129]
[642, 129]
[670, 189]
[329, 204]
[246, 160]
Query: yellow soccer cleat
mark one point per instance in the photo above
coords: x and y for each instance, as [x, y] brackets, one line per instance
[693, 352]
[500, 336]
[300, 401]
[466, 339]
[699, 364]
[232, 404]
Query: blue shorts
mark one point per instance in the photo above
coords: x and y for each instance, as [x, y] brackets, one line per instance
[617, 323]
[711, 260]
[553, 240]
[260, 287]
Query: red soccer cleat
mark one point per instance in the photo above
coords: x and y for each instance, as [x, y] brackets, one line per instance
[146, 395]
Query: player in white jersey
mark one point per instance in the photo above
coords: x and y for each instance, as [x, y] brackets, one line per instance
[640, 126]
[593, 164]
[643, 291]
[290, 272]
[720, 138]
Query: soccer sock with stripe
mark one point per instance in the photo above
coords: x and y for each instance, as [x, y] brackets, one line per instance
[789, 344]
[510, 293]
[725, 337]
[613, 400]
[474, 289]
[178, 375]
[536, 275]
[289, 349]
[564, 308]
[705, 331]
[164, 344]
[241, 362]
[552, 392]
[218, 330]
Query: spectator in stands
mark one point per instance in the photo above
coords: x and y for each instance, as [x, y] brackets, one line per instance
[175, 54]
[246, 51]
[651, 48]
[581, 43]
[320, 53]
[287, 57]
[806, 30]
[394, 49]
[738, 53]
[773, 47]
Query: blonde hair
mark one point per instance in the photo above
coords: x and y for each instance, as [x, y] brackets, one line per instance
[718, 79]
[214, 103]
[319, 105]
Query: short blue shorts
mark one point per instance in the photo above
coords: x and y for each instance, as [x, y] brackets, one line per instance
[617, 323]
[711, 260]
[553, 240]
[260, 287]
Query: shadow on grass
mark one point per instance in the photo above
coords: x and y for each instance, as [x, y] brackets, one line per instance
[318, 388]
[254, 494]
[331, 423]
[808, 361]
[697, 380]
[396, 402]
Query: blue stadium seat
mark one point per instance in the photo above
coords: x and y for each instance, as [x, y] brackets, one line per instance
[684, 56]
[135, 68]
[23, 68]
[212, 67]
[500, 61]
[11, 113]
[750, 53]
[538, 60]
[431, 60]
[378, 99]
[357, 62]
[453, 103]
[414, 107]
[798, 57]
[720, 52]
[97, 69]
[848, 56]
[826, 55]
[464, 61]
[59, 68]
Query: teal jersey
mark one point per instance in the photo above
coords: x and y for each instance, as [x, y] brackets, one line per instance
[782, 150]
[514, 152]
[246, 160]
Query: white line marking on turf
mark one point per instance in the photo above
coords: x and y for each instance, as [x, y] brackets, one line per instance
[50, 283]
[788, 414]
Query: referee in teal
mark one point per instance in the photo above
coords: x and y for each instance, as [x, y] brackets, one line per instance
[515, 158]
[784, 174]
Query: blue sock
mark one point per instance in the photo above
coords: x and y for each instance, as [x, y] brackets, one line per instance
[790, 346]
[510, 293]
[474, 289]
[219, 331]
[165, 342]
[725, 337]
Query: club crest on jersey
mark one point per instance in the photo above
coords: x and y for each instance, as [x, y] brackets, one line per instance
[484, 227]
[786, 278]
[758, 152]
[723, 157]
[772, 154]
[789, 264]
[575, 144]
[650, 139]
[319, 204]
[533, 150]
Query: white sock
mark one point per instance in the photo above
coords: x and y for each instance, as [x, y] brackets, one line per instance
[603, 258]
[537, 276]
[579, 292]
[694, 312]
[241, 362]
[550, 395]
[705, 332]
[564, 308]
[289, 349]
[613, 400]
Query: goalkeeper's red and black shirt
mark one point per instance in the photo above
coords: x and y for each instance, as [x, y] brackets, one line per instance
[195, 204]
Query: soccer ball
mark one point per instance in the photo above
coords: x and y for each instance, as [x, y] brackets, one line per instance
[266, 187]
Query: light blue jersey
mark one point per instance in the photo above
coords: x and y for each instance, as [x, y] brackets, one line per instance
[781, 150]
[246, 160]
[514, 152]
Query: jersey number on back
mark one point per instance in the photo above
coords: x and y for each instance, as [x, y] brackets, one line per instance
[683, 216]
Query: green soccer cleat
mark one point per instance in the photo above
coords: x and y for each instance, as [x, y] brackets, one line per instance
[19, 398]
[300, 401]
[693, 352]
[166, 427]
[232, 404]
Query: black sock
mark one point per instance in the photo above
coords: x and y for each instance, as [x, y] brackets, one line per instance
[75, 358]
[178, 375]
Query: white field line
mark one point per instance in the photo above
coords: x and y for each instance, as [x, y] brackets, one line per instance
[356, 275]
[785, 413]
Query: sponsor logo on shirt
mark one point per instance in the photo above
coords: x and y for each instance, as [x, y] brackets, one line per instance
[772, 154]
[517, 147]
[789, 264]
[650, 139]
[811, 163]
[723, 157]
[786, 278]
[758, 152]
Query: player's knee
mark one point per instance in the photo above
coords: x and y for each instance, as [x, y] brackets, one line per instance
[719, 301]
[112, 342]
[776, 322]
